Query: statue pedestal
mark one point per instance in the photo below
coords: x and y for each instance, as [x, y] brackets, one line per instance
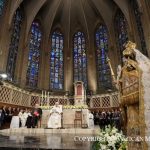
[68, 118]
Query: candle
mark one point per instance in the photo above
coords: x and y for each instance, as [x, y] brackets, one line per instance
[42, 99]
[45, 98]
[48, 100]
[111, 70]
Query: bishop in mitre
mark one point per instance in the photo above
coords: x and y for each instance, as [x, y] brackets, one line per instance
[55, 116]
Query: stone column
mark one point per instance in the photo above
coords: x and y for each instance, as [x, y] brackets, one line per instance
[113, 50]
[145, 25]
[68, 63]
[44, 67]
[24, 62]
[21, 51]
[145, 19]
[91, 62]
[5, 37]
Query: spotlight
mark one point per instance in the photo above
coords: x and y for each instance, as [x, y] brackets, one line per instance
[3, 75]
[109, 90]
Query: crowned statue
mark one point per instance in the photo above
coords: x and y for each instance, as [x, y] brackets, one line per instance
[133, 82]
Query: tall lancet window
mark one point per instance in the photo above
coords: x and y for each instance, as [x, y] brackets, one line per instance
[34, 55]
[13, 47]
[121, 30]
[56, 62]
[137, 14]
[104, 74]
[2, 5]
[80, 59]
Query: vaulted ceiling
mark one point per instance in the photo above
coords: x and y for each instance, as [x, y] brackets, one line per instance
[69, 15]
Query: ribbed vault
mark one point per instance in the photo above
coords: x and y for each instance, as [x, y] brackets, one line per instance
[69, 15]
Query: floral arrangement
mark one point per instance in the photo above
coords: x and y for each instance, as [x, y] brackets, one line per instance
[46, 107]
[66, 107]
[110, 139]
[75, 107]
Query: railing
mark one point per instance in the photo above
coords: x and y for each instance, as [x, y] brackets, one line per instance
[13, 95]
[105, 100]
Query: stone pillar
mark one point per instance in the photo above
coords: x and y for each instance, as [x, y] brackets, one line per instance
[21, 52]
[68, 63]
[145, 19]
[5, 36]
[145, 25]
[91, 62]
[44, 70]
[24, 62]
[113, 52]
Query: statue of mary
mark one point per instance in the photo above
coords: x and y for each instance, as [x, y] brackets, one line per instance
[134, 89]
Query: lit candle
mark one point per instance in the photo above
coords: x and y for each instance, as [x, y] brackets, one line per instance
[48, 100]
[42, 99]
[111, 70]
[45, 98]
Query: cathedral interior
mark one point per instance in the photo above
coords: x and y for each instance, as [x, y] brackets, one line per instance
[48, 47]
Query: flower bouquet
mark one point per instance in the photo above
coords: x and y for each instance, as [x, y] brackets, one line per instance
[75, 106]
[110, 139]
[46, 107]
[66, 107]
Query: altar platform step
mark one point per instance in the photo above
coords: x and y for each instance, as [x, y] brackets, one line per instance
[94, 131]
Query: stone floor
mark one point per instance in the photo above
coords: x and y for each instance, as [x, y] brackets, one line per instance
[35, 139]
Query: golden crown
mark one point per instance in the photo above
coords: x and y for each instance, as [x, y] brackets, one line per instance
[129, 49]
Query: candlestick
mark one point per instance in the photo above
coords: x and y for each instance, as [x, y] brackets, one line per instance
[112, 72]
[45, 99]
[42, 98]
[48, 100]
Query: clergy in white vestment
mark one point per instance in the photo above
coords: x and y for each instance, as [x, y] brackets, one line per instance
[15, 120]
[24, 118]
[21, 117]
[91, 120]
[55, 116]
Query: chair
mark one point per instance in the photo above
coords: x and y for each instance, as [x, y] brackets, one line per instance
[78, 119]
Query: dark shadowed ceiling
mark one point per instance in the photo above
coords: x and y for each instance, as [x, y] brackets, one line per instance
[69, 15]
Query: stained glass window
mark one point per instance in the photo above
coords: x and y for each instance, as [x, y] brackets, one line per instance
[80, 59]
[137, 14]
[104, 74]
[13, 47]
[2, 5]
[121, 30]
[56, 62]
[34, 55]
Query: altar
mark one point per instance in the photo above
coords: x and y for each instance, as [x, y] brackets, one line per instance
[71, 118]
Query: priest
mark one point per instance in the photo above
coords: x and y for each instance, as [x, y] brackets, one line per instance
[91, 120]
[55, 116]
